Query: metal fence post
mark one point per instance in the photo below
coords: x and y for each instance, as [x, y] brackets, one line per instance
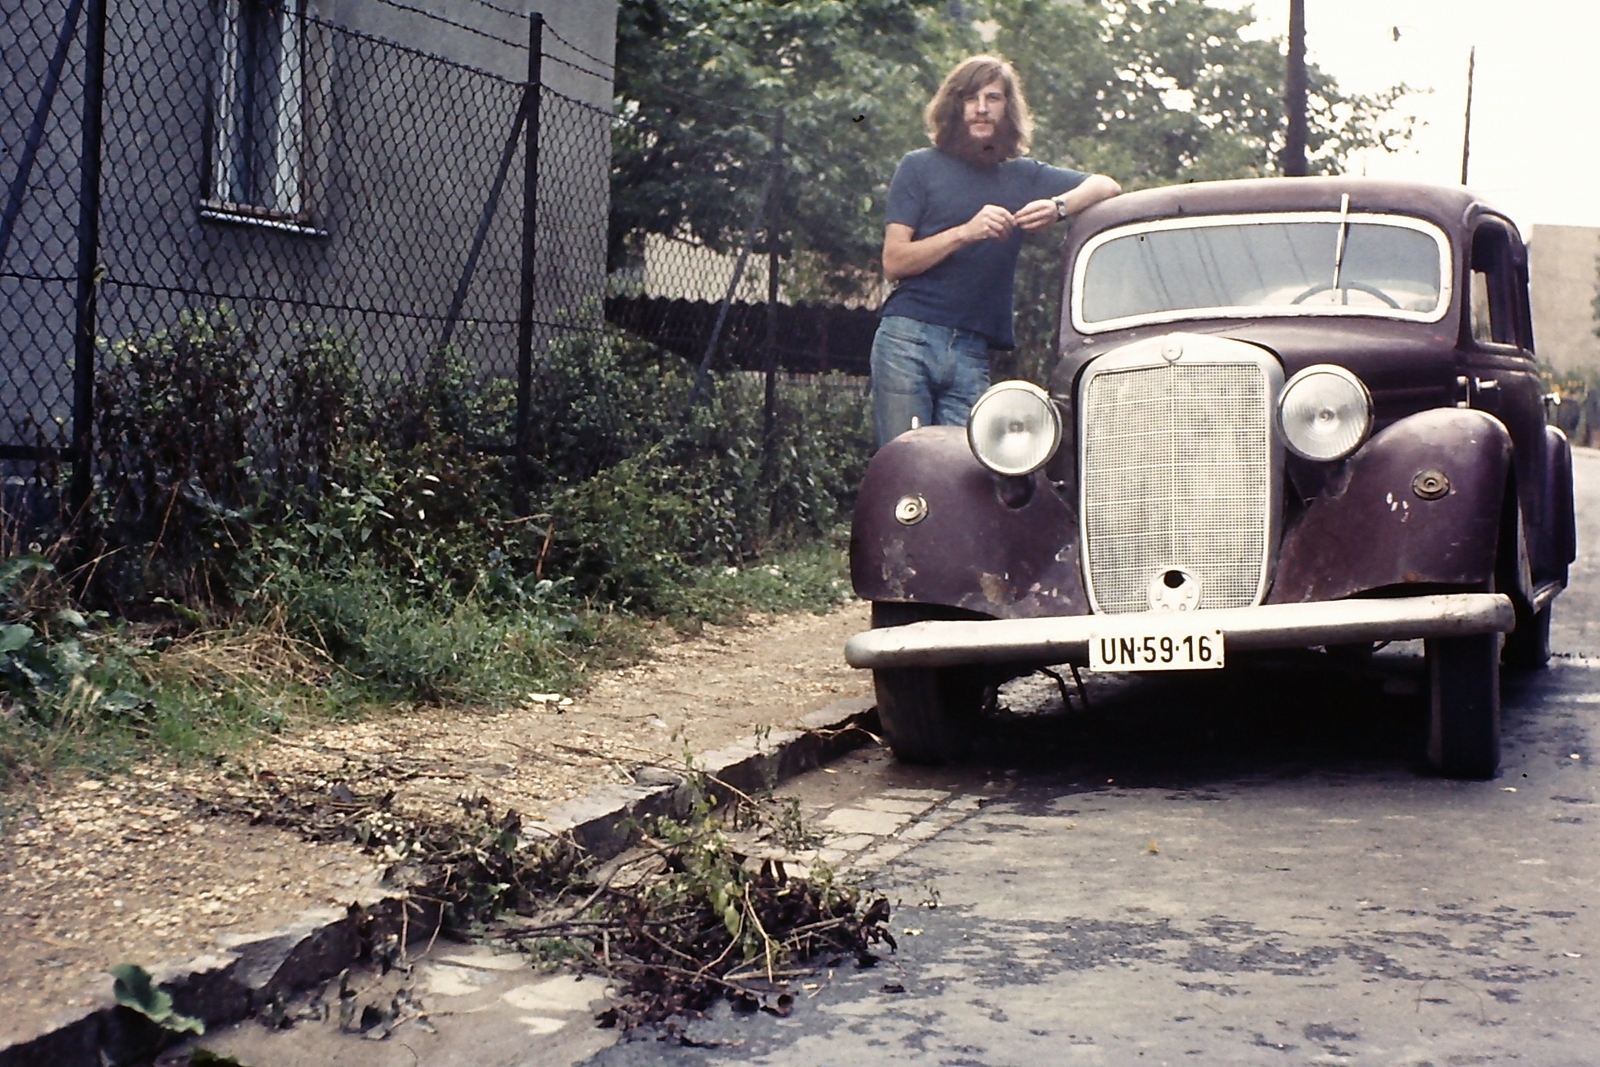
[490, 206]
[88, 266]
[769, 411]
[530, 228]
[35, 136]
[704, 370]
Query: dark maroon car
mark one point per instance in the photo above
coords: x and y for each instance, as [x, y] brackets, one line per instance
[1288, 413]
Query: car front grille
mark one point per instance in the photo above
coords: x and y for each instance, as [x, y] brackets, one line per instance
[1178, 464]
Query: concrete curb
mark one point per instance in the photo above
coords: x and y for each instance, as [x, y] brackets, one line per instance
[250, 970]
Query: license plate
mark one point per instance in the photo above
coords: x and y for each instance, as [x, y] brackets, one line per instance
[1158, 647]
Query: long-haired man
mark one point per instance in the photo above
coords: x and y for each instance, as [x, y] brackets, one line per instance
[957, 213]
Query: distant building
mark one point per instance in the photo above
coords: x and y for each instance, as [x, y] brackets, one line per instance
[1561, 277]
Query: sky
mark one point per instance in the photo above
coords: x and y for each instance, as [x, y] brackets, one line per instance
[1536, 95]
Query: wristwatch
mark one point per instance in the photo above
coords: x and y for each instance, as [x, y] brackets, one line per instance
[1061, 208]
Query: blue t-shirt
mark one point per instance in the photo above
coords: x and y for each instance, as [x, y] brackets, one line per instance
[971, 289]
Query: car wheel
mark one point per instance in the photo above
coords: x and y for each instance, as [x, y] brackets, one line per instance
[928, 714]
[1528, 647]
[1464, 691]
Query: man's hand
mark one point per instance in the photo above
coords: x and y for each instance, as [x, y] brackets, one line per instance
[991, 223]
[1035, 215]
[904, 257]
[1038, 214]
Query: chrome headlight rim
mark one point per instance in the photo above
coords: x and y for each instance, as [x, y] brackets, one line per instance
[983, 408]
[1299, 380]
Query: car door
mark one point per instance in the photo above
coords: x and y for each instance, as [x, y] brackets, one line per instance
[1498, 373]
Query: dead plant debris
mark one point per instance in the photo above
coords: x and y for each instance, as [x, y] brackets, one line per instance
[715, 905]
[712, 906]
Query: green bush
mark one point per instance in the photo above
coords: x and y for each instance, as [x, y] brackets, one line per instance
[174, 412]
[285, 501]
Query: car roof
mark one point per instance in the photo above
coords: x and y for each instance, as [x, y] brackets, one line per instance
[1453, 208]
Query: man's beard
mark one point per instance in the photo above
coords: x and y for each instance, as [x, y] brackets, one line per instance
[984, 151]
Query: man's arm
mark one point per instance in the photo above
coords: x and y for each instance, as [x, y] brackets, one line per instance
[1038, 214]
[904, 257]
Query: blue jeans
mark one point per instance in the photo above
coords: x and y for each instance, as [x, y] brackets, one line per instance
[924, 372]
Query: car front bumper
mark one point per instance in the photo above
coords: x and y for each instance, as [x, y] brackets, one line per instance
[1065, 639]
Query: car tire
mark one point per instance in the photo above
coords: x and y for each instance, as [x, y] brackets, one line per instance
[1464, 694]
[1528, 647]
[928, 714]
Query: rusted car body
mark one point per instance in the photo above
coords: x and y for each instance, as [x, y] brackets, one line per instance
[1288, 413]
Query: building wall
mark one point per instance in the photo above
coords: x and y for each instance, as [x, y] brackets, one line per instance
[402, 155]
[1562, 284]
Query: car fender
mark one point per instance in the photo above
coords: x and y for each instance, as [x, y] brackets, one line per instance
[1561, 528]
[970, 548]
[1372, 528]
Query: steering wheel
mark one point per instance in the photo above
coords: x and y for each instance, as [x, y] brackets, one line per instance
[1360, 287]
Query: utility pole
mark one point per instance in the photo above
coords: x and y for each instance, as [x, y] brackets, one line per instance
[1466, 133]
[1294, 94]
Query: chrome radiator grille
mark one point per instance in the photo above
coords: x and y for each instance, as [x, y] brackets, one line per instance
[1177, 472]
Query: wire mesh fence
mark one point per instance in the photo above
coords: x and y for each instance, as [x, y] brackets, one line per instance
[42, 94]
[255, 179]
[704, 268]
[303, 178]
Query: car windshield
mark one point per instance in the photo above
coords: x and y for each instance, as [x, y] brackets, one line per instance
[1263, 264]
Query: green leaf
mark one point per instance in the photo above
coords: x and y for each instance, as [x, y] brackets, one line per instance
[72, 618]
[183, 611]
[204, 1057]
[14, 637]
[13, 570]
[135, 989]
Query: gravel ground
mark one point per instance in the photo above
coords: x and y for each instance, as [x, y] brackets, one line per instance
[125, 870]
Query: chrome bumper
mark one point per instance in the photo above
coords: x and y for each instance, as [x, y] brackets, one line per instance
[1065, 639]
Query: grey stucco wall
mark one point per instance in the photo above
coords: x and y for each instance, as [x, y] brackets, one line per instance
[402, 152]
[1562, 288]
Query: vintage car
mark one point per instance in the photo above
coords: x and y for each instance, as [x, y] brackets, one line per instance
[1288, 413]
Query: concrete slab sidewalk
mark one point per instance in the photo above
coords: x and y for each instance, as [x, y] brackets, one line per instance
[254, 969]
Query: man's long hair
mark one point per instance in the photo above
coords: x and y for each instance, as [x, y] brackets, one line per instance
[943, 116]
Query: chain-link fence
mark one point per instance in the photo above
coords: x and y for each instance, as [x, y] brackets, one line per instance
[253, 175]
[721, 290]
[303, 178]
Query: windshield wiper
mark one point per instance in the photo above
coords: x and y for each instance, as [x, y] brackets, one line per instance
[1338, 251]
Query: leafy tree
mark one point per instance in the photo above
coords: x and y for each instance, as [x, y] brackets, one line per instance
[698, 82]
[1158, 91]
[1148, 91]
[1154, 92]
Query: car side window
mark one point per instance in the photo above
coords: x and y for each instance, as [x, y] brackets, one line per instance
[1492, 298]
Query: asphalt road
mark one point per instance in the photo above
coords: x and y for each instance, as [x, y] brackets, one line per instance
[1252, 869]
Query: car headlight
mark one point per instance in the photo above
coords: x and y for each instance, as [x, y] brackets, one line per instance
[1014, 428]
[1324, 412]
